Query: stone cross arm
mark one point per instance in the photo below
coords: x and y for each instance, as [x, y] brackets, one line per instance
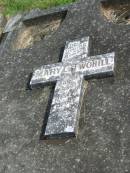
[86, 67]
[46, 74]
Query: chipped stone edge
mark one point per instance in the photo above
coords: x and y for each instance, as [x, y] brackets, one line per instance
[36, 13]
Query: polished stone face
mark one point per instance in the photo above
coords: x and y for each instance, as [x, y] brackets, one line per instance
[69, 75]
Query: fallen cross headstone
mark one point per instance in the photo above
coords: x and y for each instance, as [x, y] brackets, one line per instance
[102, 145]
[69, 74]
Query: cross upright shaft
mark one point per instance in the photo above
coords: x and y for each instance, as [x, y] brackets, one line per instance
[69, 74]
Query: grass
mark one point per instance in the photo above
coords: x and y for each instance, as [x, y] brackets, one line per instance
[11, 7]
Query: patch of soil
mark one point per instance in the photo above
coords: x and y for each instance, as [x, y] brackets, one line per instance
[37, 30]
[116, 12]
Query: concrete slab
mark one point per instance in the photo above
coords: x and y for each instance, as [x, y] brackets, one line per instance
[103, 143]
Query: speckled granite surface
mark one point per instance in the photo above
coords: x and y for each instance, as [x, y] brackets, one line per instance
[104, 135]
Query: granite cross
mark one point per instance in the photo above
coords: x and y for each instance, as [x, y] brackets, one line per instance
[69, 75]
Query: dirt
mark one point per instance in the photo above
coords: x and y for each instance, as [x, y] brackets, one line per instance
[116, 12]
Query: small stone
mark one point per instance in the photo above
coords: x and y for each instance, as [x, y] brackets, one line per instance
[77, 160]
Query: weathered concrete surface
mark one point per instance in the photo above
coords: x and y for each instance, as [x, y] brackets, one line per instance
[103, 143]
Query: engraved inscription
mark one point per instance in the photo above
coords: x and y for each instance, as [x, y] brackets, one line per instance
[94, 64]
[46, 73]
